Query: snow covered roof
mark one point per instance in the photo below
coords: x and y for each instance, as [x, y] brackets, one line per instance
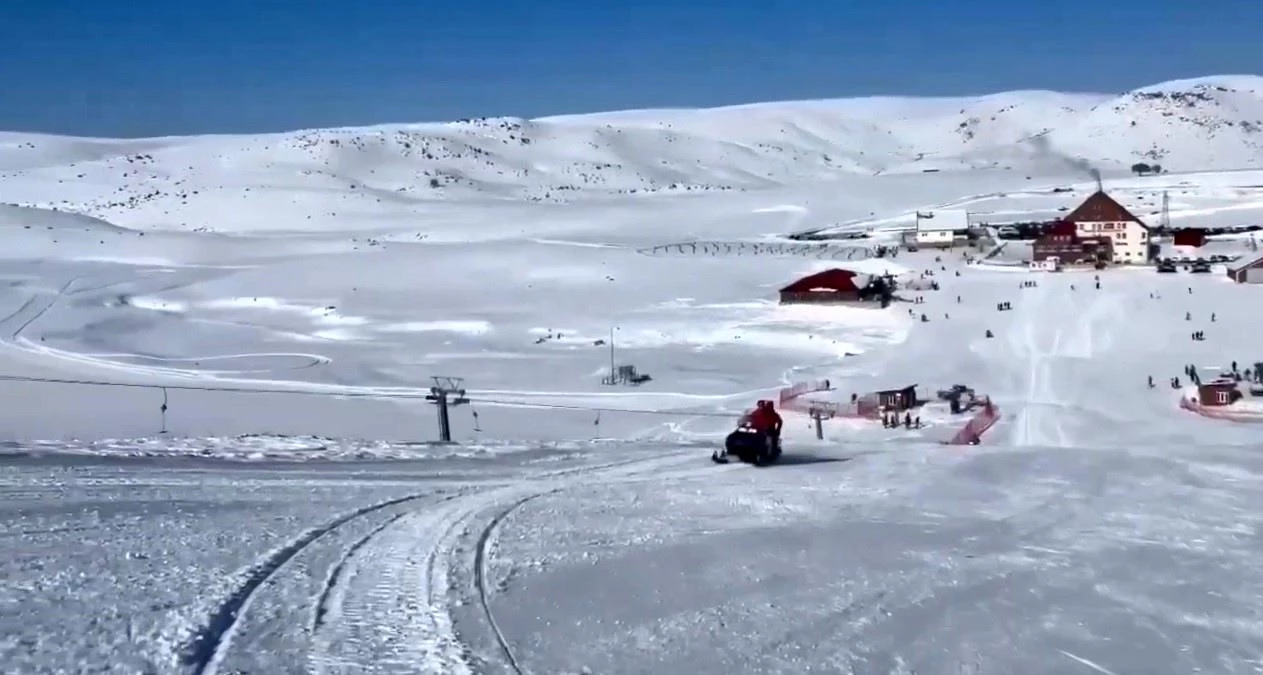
[940, 221]
[830, 280]
[1244, 263]
[874, 266]
[1100, 207]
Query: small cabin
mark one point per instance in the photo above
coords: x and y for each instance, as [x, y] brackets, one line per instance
[898, 400]
[1218, 393]
[1247, 272]
[829, 286]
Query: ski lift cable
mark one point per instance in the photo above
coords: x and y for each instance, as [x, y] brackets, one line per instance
[362, 394]
[225, 389]
[604, 409]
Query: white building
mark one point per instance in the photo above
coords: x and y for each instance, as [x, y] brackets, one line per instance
[1102, 217]
[939, 228]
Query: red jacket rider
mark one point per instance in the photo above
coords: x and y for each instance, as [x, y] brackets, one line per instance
[765, 418]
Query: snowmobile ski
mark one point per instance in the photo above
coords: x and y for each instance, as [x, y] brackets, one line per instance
[749, 446]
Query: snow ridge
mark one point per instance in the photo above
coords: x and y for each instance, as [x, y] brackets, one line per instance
[174, 183]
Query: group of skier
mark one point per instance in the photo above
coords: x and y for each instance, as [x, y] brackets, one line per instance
[891, 421]
[1235, 372]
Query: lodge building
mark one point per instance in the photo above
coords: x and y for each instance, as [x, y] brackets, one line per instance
[1101, 217]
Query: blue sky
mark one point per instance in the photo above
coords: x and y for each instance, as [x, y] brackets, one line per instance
[154, 67]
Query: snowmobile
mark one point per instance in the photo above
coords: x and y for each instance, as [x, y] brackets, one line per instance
[750, 445]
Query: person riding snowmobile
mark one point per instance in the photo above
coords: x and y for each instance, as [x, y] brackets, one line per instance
[768, 422]
[756, 439]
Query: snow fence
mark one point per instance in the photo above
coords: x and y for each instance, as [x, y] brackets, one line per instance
[978, 425]
[719, 249]
[795, 397]
[1221, 412]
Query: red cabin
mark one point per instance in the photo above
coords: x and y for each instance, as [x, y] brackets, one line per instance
[833, 285]
[1193, 238]
[1218, 393]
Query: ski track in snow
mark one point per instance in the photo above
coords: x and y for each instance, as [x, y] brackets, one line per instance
[325, 604]
[481, 574]
[1046, 340]
[384, 602]
[43, 308]
[208, 648]
[516, 398]
[389, 608]
[1034, 425]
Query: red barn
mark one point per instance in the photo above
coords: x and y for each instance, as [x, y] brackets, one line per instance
[833, 285]
[1192, 238]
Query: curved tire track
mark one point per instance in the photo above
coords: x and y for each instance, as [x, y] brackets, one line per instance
[411, 563]
[335, 575]
[403, 561]
[389, 605]
[208, 646]
[653, 468]
[480, 576]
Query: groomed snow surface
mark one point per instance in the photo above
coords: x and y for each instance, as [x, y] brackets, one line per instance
[296, 516]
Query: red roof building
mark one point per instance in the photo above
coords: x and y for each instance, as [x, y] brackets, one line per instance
[833, 285]
[1100, 207]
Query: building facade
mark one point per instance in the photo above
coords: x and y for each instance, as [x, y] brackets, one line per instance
[939, 228]
[1218, 393]
[1063, 245]
[1247, 271]
[1101, 217]
[897, 399]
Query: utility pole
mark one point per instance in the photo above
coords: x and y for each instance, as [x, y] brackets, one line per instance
[447, 391]
[612, 379]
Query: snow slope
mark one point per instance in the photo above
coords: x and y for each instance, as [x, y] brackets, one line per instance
[326, 258]
[296, 180]
[288, 297]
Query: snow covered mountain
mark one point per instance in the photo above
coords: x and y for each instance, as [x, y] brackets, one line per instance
[286, 297]
[176, 183]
